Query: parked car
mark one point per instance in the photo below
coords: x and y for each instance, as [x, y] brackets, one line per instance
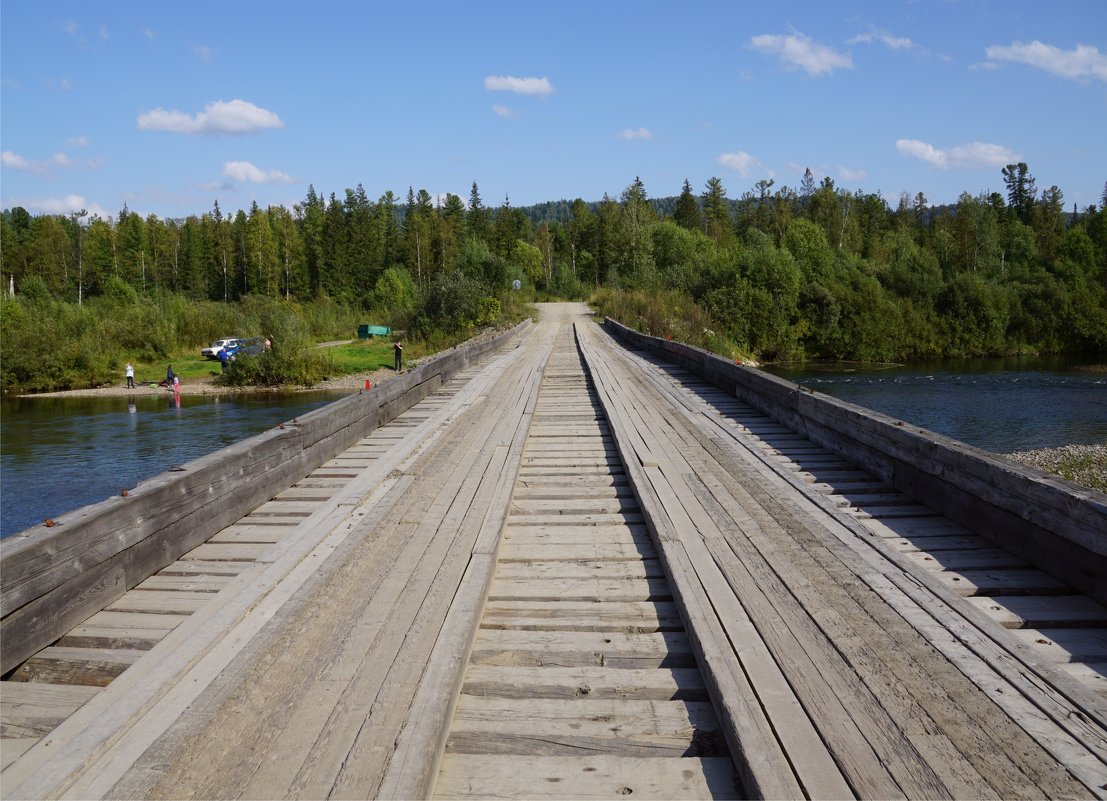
[251, 346]
[218, 345]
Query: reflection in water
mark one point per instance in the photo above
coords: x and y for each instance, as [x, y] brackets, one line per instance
[60, 454]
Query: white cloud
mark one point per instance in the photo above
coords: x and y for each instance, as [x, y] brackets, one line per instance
[149, 33]
[520, 86]
[974, 155]
[70, 27]
[798, 51]
[15, 161]
[77, 141]
[63, 205]
[846, 174]
[743, 162]
[203, 52]
[18, 162]
[504, 111]
[887, 39]
[246, 172]
[234, 117]
[1079, 64]
[635, 133]
[104, 32]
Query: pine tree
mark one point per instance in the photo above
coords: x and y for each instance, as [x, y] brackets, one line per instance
[687, 211]
[480, 224]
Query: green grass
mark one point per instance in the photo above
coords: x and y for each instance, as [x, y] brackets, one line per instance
[364, 355]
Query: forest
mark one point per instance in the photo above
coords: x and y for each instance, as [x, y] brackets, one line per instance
[778, 273]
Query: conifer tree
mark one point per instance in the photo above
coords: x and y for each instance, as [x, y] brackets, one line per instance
[687, 211]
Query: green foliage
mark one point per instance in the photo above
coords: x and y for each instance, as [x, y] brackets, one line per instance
[454, 305]
[666, 314]
[816, 271]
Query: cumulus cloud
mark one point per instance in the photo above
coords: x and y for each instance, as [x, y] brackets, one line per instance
[635, 133]
[504, 111]
[520, 86]
[15, 161]
[219, 117]
[1079, 64]
[246, 172]
[974, 155]
[740, 161]
[798, 51]
[63, 205]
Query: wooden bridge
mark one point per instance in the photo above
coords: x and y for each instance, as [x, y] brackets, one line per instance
[575, 568]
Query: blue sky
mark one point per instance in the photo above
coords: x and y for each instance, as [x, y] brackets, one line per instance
[169, 106]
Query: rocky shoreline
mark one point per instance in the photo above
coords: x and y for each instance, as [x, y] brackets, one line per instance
[1081, 464]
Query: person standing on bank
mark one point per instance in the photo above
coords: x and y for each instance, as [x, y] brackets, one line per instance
[398, 350]
[130, 376]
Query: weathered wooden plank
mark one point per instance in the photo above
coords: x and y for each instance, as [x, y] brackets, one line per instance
[89, 636]
[487, 776]
[610, 649]
[575, 616]
[157, 601]
[13, 748]
[1002, 582]
[966, 559]
[1067, 645]
[552, 727]
[516, 551]
[1057, 611]
[552, 574]
[664, 684]
[195, 583]
[228, 551]
[614, 532]
[90, 666]
[31, 709]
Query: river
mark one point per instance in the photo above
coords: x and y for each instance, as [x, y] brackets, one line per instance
[999, 405]
[59, 454]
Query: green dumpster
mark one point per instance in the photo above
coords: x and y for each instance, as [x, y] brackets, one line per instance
[368, 331]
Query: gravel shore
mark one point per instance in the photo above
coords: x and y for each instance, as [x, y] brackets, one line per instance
[207, 386]
[1082, 464]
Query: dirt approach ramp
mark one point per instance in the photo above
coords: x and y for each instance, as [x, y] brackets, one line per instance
[577, 572]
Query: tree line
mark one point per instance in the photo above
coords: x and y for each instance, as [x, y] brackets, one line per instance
[781, 272]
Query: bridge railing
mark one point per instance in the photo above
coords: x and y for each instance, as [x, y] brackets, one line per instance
[1053, 524]
[52, 579]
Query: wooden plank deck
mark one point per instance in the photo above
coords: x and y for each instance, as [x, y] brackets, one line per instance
[576, 573]
[912, 691]
[566, 675]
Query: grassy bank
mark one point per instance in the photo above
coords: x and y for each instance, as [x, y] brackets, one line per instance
[51, 345]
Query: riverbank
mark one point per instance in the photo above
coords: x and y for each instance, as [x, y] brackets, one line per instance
[1082, 464]
[207, 386]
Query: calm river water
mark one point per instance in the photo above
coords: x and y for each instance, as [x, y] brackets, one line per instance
[59, 454]
[1000, 405]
